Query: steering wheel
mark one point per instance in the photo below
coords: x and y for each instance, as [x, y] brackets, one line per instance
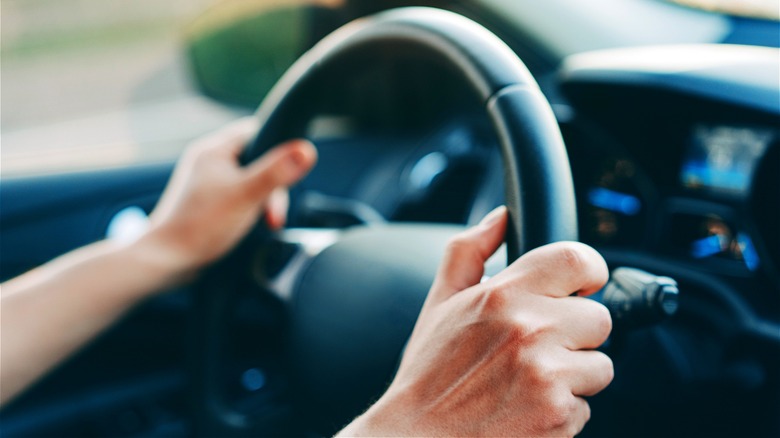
[353, 301]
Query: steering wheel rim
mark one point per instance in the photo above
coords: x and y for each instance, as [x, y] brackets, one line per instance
[538, 182]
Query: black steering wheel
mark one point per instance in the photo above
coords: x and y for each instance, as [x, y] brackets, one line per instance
[354, 301]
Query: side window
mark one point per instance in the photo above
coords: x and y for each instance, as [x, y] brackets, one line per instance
[98, 83]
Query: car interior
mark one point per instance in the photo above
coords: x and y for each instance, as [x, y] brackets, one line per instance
[653, 135]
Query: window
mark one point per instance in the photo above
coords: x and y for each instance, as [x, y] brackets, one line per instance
[769, 9]
[98, 83]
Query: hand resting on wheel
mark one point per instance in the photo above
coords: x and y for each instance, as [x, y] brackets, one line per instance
[513, 356]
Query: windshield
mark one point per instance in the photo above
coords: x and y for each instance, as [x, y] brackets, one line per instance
[97, 83]
[567, 27]
[768, 9]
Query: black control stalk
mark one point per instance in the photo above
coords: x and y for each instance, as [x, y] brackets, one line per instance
[638, 299]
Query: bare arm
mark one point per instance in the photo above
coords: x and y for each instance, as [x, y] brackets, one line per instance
[51, 311]
[209, 205]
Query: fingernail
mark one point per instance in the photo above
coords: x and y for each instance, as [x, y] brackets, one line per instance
[493, 217]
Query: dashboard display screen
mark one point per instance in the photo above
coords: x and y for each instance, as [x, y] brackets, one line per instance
[722, 158]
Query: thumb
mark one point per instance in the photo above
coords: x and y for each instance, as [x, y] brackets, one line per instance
[464, 262]
[282, 166]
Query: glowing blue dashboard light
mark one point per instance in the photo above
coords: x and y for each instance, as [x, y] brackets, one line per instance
[127, 225]
[749, 254]
[253, 379]
[707, 246]
[614, 201]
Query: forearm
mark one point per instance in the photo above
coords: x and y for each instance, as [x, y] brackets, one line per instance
[53, 310]
[208, 206]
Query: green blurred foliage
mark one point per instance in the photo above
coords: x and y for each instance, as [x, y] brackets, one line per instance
[240, 62]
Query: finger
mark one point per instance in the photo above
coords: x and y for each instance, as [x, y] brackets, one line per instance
[239, 133]
[281, 166]
[580, 417]
[276, 208]
[593, 373]
[231, 139]
[560, 269]
[584, 323]
[464, 262]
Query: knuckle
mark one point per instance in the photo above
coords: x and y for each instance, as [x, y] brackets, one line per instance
[579, 419]
[491, 302]
[541, 375]
[609, 370]
[586, 414]
[461, 249]
[581, 258]
[265, 180]
[574, 256]
[528, 332]
[248, 192]
[602, 320]
[458, 244]
[602, 373]
[561, 412]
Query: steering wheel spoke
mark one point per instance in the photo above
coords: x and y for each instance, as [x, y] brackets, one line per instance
[288, 255]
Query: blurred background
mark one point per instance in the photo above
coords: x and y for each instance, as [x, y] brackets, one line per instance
[95, 83]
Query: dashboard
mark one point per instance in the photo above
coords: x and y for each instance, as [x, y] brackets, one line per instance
[693, 205]
[673, 159]
[667, 165]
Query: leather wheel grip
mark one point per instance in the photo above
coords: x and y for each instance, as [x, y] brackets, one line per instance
[538, 183]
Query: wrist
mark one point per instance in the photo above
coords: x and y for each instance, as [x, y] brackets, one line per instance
[167, 263]
[389, 416]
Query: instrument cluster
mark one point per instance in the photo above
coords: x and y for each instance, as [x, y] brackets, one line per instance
[710, 203]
